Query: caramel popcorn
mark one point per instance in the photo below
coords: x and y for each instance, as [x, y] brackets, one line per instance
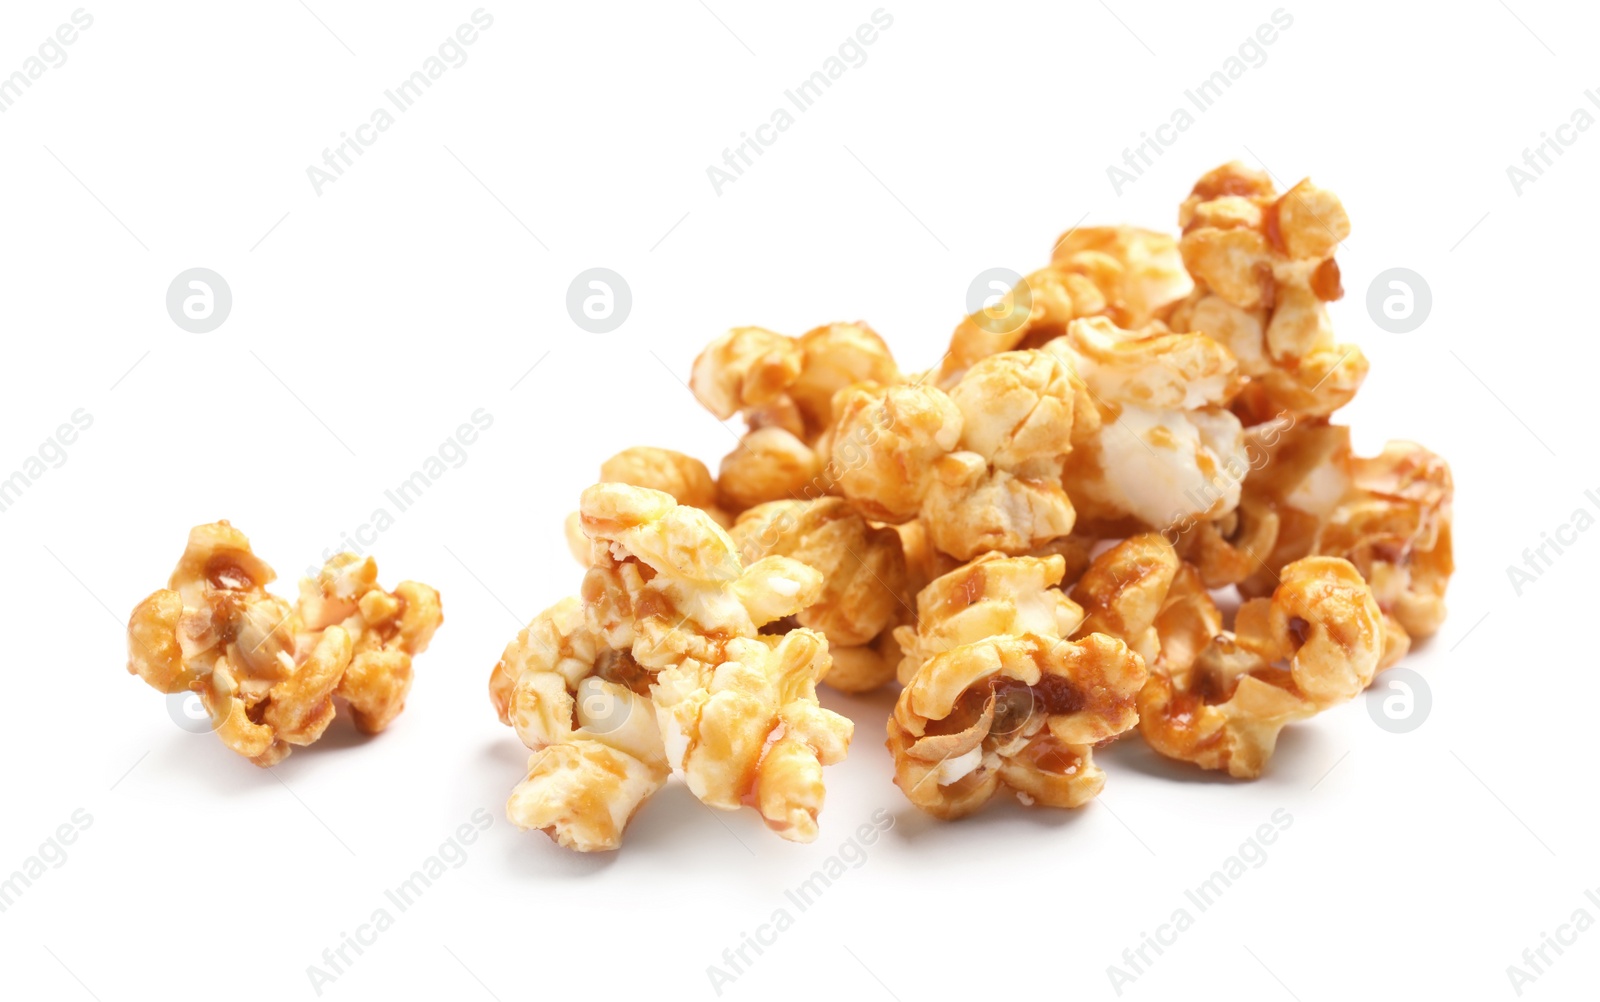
[992, 596]
[1165, 447]
[1394, 525]
[1263, 267]
[1124, 589]
[1021, 712]
[864, 579]
[1029, 537]
[1121, 272]
[1225, 707]
[1389, 515]
[266, 671]
[661, 666]
[683, 477]
[980, 465]
[784, 387]
[996, 696]
[584, 709]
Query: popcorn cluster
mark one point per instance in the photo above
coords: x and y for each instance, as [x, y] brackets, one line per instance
[1029, 538]
[662, 666]
[267, 671]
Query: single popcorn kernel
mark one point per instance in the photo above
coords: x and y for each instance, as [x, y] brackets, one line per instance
[864, 579]
[1263, 268]
[1021, 712]
[996, 696]
[683, 477]
[584, 709]
[1123, 592]
[979, 466]
[1120, 272]
[1224, 709]
[992, 596]
[669, 622]
[1394, 526]
[265, 671]
[784, 387]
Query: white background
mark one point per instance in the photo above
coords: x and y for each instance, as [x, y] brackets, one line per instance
[373, 318]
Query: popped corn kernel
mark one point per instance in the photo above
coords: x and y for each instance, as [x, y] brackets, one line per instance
[667, 634]
[1018, 712]
[1224, 710]
[267, 671]
[979, 466]
[864, 578]
[1165, 447]
[1263, 267]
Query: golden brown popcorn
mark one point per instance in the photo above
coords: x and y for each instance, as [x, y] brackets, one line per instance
[1165, 448]
[864, 579]
[992, 596]
[996, 696]
[265, 671]
[894, 435]
[1186, 623]
[1394, 525]
[683, 477]
[669, 619]
[1147, 270]
[1125, 589]
[584, 709]
[1263, 269]
[1225, 708]
[1227, 550]
[746, 369]
[768, 464]
[1121, 272]
[1390, 515]
[1298, 472]
[979, 466]
[749, 730]
[784, 388]
[1021, 712]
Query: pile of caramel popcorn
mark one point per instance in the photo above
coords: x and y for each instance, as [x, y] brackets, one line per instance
[267, 672]
[1117, 503]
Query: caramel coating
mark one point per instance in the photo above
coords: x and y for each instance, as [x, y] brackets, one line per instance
[266, 671]
[1225, 708]
[659, 667]
[1121, 272]
[995, 696]
[1019, 712]
[1164, 447]
[1263, 269]
[784, 388]
[979, 466]
[864, 579]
